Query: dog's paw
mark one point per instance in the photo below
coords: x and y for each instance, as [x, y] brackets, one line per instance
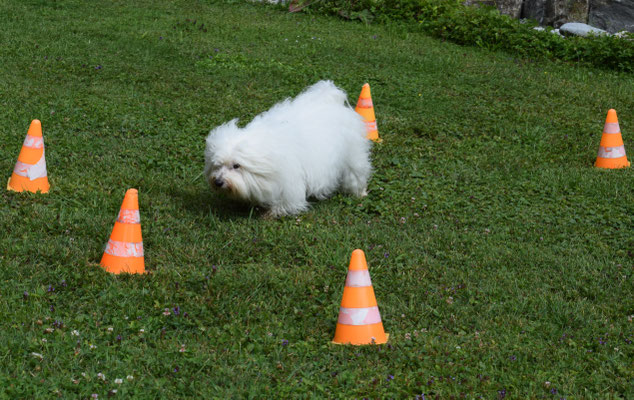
[272, 215]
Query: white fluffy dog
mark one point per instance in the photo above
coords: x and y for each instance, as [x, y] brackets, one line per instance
[308, 146]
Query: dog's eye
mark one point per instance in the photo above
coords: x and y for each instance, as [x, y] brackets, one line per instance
[236, 166]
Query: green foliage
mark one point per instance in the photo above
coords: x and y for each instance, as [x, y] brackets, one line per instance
[486, 27]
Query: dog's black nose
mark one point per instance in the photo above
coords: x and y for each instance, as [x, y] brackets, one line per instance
[218, 182]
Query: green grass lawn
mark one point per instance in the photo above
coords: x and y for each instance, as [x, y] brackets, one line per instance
[501, 259]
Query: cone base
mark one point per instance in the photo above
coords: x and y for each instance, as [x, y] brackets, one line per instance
[19, 183]
[612, 163]
[118, 265]
[360, 334]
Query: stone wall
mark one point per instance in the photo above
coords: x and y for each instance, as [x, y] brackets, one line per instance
[610, 15]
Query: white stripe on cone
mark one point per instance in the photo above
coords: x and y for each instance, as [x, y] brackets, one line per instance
[364, 103]
[611, 152]
[129, 217]
[33, 142]
[359, 316]
[358, 278]
[611, 127]
[124, 249]
[31, 171]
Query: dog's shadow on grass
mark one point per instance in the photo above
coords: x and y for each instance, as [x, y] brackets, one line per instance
[205, 203]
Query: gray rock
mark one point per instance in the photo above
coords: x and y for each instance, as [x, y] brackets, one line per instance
[609, 15]
[555, 12]
[512, 8]
[535, 9]
[579, 29]
[576, 10]
[612, 15]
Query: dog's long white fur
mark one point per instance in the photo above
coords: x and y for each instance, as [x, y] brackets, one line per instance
[309, 146]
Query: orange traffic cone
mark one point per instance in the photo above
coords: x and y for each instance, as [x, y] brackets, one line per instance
[611, 149]
[359, 319]
[30, 171]
[366, 109]
[124, 250]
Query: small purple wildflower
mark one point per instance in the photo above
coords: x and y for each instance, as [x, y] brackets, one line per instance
[553, 391]
[502, 393]
[284, 342]
[50, 288]
[160, 37]
[98, 67]
[52, 308]
[176, 310]
[513, 358]
[176, 369]
[386, 254]
[63, 283]
[25, 295]
[119, 338]
[390, 377]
